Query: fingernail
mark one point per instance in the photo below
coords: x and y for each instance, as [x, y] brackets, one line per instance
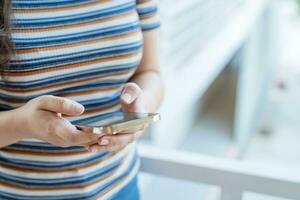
[127, 97]
[79, 107]
[94, 149]
[104, 142]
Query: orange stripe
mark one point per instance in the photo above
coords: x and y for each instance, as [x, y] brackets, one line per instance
[64, 27]
[35, 50]
[100, 196]
[30, 188]
[75, 65]
[34, 153]
[60, 85]
[71, 84]
[25, 11]
[50, 171]
[88, 92]
[145, 17]
[100, 110]
[65, 84]
[23, 101]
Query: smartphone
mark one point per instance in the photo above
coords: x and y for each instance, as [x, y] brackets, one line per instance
[120, 122]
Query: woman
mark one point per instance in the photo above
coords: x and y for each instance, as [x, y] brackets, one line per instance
[65, 62]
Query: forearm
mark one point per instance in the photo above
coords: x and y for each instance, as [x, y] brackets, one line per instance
[151, 84]
[148, 75]
[8, 128]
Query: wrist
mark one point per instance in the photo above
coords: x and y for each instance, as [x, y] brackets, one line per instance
[148, 102]
[16, 123]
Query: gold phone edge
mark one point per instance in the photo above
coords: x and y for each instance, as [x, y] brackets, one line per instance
[114, 129]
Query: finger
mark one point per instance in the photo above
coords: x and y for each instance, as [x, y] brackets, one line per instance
[81, 138]
[70, 135]
[120, 139]
[98, 148]
[114, 143]
[59, 105]
[131, 131]
[130, 93]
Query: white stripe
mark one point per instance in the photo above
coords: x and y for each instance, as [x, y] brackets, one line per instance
[81, 48]
[78, 29]
[43, 158]
[94, 96]
[119, 171]
[76, 11]
[56, 88]
[107, 110]
[146, 4]
[71, 172]
[74, 97]
[112, 109]
[120, 185]
[82, 69]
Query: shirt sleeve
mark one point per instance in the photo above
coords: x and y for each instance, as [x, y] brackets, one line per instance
[148, 14]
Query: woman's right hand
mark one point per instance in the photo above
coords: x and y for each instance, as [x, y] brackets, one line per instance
[41, 118]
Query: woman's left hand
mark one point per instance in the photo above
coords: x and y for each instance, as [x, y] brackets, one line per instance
[132, 100]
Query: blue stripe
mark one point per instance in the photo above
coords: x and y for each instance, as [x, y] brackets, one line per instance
[62, 182]
[91, 195]
[93, 119]
[42, 144]
[101, 104]
[80, 56]
[78, 88]
[52, 148]
[147, 11]
[94, 85]
[34, 4]
[73, 19]
[129, 192]
[53, 165]
[101, 53]
[78, 37]
[83, 76]
[148, 27]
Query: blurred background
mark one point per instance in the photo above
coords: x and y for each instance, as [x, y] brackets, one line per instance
[232, 75]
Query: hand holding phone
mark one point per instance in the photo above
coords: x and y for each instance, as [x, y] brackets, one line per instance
[116, 136]
[121, 122]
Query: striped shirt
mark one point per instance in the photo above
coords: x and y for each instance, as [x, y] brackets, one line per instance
[84, 50]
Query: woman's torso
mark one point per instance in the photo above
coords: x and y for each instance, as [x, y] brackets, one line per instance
[84, 50]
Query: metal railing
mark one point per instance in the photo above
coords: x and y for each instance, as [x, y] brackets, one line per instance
[234, 177]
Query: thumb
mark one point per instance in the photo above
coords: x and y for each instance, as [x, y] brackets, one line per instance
[130, 93]
[59, 105]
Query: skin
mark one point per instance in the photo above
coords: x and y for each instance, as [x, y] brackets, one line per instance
[146, 91]
[143, 93]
